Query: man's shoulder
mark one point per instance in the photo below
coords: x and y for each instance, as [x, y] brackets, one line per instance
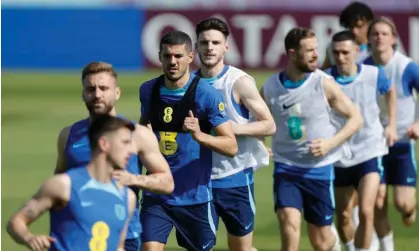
[148, 85]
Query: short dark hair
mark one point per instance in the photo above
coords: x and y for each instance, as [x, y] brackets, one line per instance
[176, 37]
[98, 67]
[212, 23]
[105, 124]
[344, 36]
[354, 12]
[294, 37]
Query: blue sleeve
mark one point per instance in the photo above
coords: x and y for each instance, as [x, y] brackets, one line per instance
[145, 94]
[211, 103]
[383, 82]
[410, 78]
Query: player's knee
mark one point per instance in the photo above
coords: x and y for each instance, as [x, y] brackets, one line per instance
[344, 218]
[403, 205]
[381, 199]
[321, 244]
[366, 213]
[152, 246]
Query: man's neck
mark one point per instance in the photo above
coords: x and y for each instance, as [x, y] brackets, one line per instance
[100, 169]
[294, 74]
[93, 116]
[363, 41]
[352, 71]
[173, 85]
[211, 72]
[382, 58]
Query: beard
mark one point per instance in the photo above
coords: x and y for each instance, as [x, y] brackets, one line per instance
[210, 64]
[303, 67]
[99, 109]
[174, 77]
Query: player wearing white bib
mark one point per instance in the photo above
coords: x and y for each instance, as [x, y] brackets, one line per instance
[355, 17]
[306, 142]
[400, 168]
[360, 172]
[232, 178]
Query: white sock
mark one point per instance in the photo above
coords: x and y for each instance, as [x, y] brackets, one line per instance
[349, 246]
[355, 216]
[375, 244]
[336, 246]
[387, 243]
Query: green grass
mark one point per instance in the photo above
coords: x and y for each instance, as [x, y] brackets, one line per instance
[36, 106]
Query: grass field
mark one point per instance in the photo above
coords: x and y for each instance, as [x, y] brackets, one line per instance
[36, 106]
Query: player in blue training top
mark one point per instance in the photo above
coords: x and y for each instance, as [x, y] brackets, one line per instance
[182, 110]
[92, 209]
[100, 92]
[400, 169]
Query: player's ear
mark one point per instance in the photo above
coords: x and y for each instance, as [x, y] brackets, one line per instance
[117, 93]
[227, 46]
[191, 57]
[103, 144]
[291, 53]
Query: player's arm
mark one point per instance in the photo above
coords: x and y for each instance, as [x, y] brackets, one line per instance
[389, 90]
[224, 142]
[159, 179]
[52, 192]
[411, 78]
[344, 106]
[61, 164]
[248, 94]
[263, 139]
[131, 204]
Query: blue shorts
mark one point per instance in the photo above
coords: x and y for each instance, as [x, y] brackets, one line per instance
[313, 197]
[195, 227]
[236, 207]
[400, 167]
[133, 244]
[351, 176]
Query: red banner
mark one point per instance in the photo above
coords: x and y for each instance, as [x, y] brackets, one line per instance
[257, 37]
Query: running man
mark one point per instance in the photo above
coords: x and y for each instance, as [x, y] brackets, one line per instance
[400, 170]
[90, 209]
[100, 93]
[232, 178]
[182, 109]
[306, 143]
[361, 172]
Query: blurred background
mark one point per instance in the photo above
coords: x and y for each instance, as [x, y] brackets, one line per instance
[46, 43]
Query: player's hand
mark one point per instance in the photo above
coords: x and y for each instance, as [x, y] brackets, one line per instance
[191, 125]
[391, 135]
[39, 242]
[320, 147]
[413, 131]
[124, 177]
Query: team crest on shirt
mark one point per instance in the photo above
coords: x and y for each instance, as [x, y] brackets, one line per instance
[221, 106]
[120, 212]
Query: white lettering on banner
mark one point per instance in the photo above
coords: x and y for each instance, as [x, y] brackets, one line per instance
[150, 38]
[276, 47]
[252, 36]
[324, 27]
[414, 38]
[253, 54]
